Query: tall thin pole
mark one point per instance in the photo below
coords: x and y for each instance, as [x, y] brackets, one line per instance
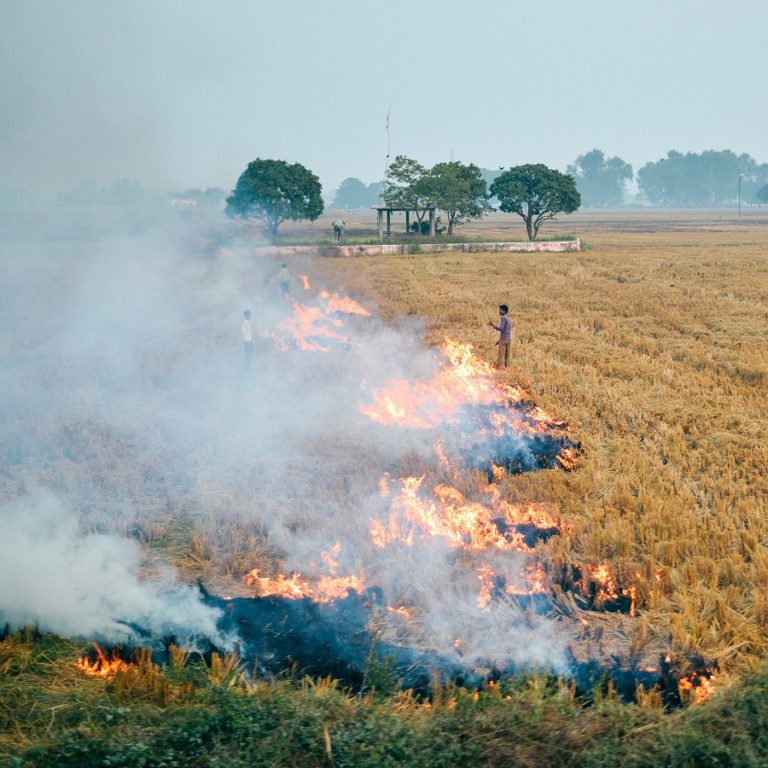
[389, 146]
[739, 195]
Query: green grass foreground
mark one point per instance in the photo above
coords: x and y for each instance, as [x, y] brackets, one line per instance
[192, 714]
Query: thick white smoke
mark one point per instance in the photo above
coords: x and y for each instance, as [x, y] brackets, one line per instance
[126, 400]
[56, 577]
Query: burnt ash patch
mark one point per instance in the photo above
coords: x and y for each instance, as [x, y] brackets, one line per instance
[318, 639]
[508, 437]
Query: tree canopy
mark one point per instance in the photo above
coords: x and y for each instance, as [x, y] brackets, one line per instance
[460, 191]
[535, 193]
[601, 181]
[455, 188]
[762, 194]
[270, 192]
[408, 185]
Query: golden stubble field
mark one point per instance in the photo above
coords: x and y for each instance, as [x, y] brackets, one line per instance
[653, 345]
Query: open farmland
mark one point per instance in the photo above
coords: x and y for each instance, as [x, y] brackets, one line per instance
[653, 345]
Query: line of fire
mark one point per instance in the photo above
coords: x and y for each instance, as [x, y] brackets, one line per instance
[329, 619]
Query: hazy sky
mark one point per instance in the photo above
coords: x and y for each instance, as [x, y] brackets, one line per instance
[181, 93]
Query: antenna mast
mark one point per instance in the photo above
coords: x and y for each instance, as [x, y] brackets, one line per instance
[386, 160]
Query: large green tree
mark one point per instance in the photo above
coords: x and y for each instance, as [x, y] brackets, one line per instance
[536, 194]
[600, 180]
[270, 192]
[460, 191]
[762, 194]
[408, 185]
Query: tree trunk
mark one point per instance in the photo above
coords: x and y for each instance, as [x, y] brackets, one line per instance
[529, 226]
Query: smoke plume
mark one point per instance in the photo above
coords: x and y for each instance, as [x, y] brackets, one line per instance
[129, 415]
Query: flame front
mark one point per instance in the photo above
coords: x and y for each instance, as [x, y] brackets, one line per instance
[324, 588]
[312, 327]
[465, 392]
[296, 586]
[335, 302]
[494, 426]
[310, 324]
[462, 378]
[445, 513]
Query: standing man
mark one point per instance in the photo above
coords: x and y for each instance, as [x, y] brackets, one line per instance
[505, 335]
[247, 334]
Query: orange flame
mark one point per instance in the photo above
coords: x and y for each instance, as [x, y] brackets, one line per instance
[402, 611]
[536, 580]
[487, 577]
[697, 687]
[602, 575]
[309, 324]
[567, 458]
[305, 282]
[335, 302]
[462, 523]
[322, 589]
[461, 379]
[295, 586]
[607, 589]
[102, 666]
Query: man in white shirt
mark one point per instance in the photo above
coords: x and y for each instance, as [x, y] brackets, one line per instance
[247, 333]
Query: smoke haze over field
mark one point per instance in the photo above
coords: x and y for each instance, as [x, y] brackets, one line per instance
[184, 94]
[127, 417]
[87, 585]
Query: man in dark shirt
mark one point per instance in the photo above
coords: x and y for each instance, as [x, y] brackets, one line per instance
[505, 335]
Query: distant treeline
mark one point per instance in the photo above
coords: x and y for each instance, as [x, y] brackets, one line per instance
[711, 179]
[126, 192]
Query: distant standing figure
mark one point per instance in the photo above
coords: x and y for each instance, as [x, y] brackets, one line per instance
[338, 230]
[285, 280]
[505, 336]
[247, 333]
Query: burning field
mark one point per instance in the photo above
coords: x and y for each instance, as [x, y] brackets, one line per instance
[372, 494]
[359, 505]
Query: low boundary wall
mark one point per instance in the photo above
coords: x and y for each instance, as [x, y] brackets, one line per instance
[523, 246]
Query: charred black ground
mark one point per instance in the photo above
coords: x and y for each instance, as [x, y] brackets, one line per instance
[297, 637]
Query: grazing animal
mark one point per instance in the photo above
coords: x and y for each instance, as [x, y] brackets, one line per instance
[338, 230]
